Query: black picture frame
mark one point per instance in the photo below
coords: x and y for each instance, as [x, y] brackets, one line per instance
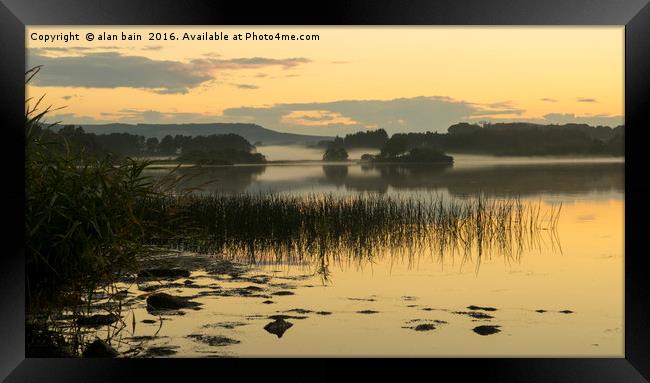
[634, 14]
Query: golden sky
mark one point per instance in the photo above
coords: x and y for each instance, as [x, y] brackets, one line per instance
[398, 78]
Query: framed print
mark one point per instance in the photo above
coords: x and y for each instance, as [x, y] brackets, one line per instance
[458, 183]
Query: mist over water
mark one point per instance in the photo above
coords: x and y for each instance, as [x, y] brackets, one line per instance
[302, 153]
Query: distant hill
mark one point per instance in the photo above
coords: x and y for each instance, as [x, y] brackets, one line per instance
[251, 132]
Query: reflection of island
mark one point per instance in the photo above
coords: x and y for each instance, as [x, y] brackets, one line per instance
[497, 181]
[228, 179]
[336, 174]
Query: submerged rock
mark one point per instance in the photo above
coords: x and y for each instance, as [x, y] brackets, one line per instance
[324, 312]
[225, 267]
[367, 312]
[213, 340]
[99, 349]
[253, 288]
[566, 312]
[474, 314]
[428, 325]
[160, 351]
[472, 307]
[487, 329]
[299, 311]
[282, 316]
[164, 273]
[149, 321]
[163, 301]
[98, 320]
[228, 325]
[283, 293]
[278, 327]
[268, 302]
[540, 311]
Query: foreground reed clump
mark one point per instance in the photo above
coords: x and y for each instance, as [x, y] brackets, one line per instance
[288, 228]
[83, 229]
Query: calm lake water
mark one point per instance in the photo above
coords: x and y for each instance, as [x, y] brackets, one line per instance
[375, 306]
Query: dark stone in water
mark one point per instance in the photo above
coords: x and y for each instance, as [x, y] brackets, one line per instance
[299, 311]
[188, 282]
[566, 312]
[163, 301]
[427, 320]
[253, 288]
[282, 317]
[487, 329]
[149, 321]
[216, 340]
[540, 311]
[481, 308]
[479, 315]
[408, 298]
[141, 338]
[427, 309]
[283, 293]
[99, 349]
[121, 294]
[323, 313]
[164, 273]
[268, 302]
[367, 312]
[228, 325]
[224, 267]
[424, 327]
[98, 320]
[278, 327]
[160, 351]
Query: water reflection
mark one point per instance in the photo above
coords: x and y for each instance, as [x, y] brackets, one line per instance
[227, 179]
[459, 181]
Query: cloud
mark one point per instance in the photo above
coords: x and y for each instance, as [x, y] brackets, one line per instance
[583, 99]
[71, 118]
[137, 116]
[246, 86]
[594, 120]
[113, 70]
[565, 118]
[417, 114]
[548, 99]
[433, 113]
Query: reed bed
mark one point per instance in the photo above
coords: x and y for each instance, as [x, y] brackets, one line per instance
[321, 228]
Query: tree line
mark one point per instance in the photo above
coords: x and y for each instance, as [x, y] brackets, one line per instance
[213, 149]
[514, 139]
